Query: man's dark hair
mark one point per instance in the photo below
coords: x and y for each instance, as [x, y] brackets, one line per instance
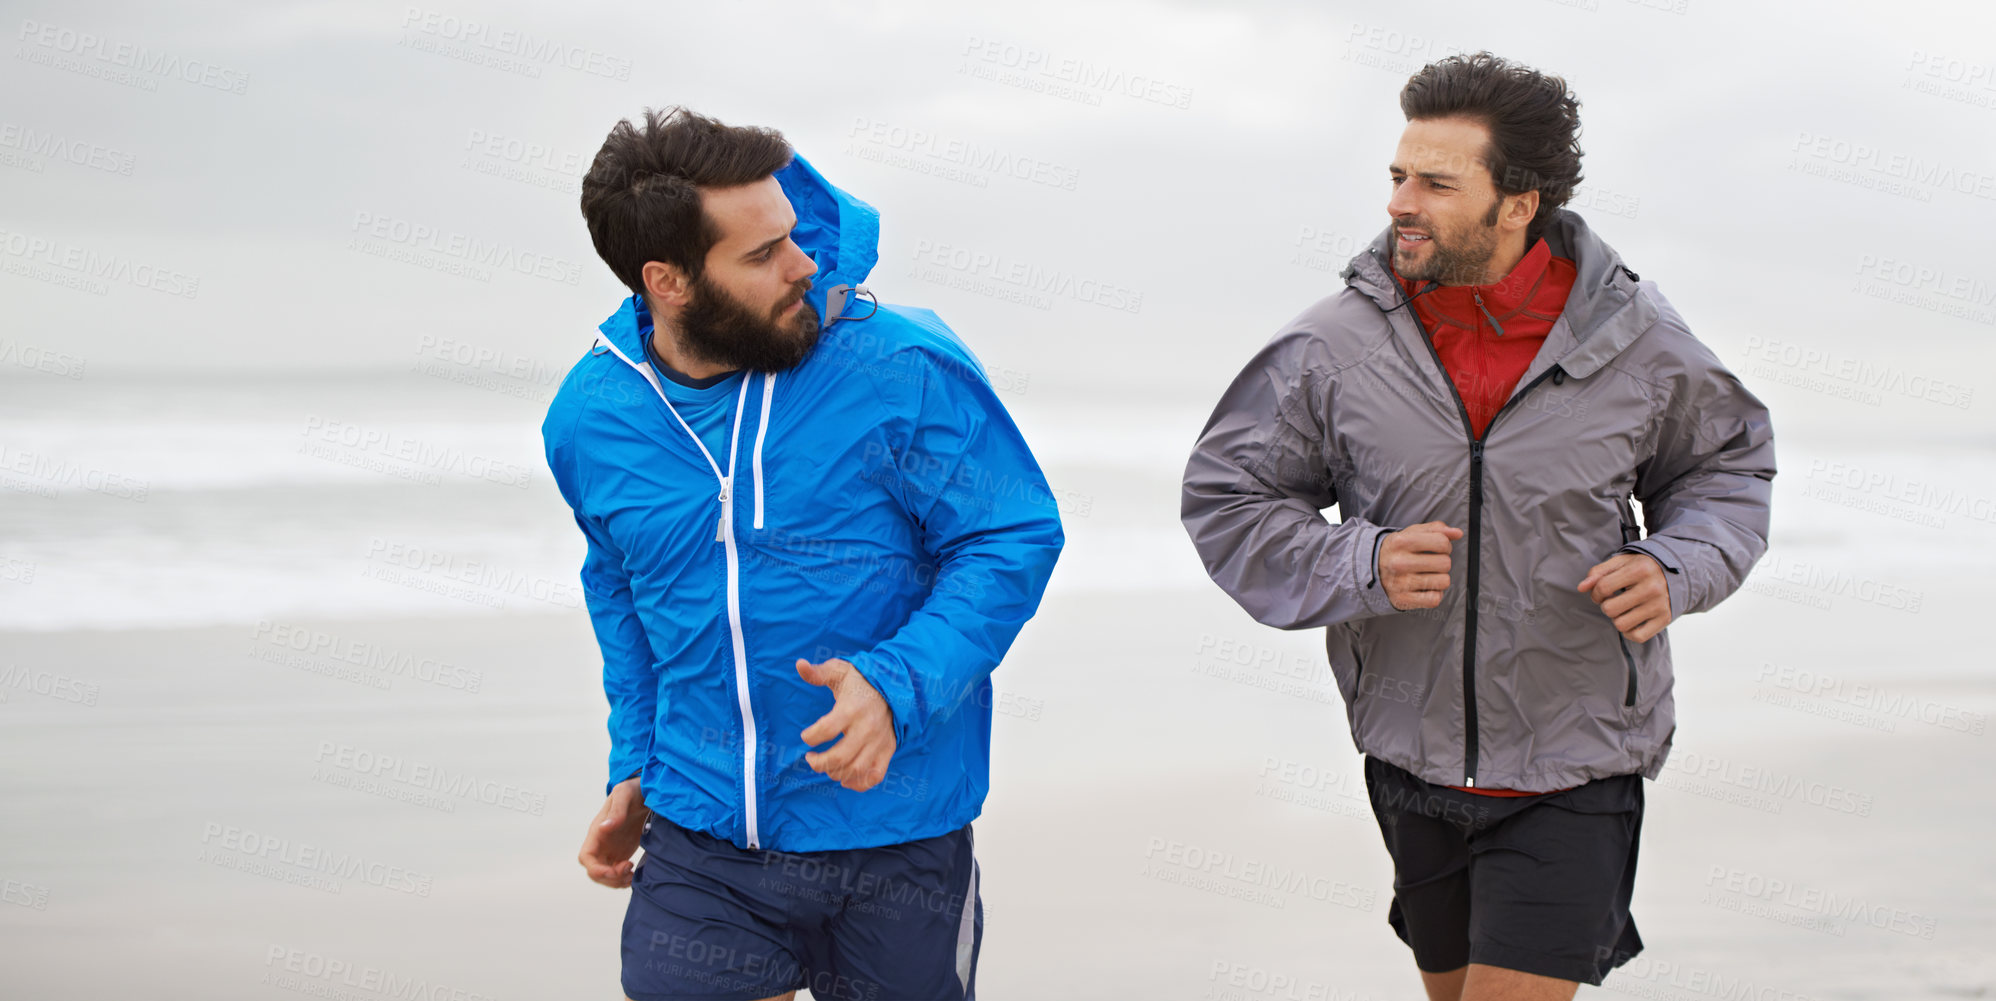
[641, 196]
[1534, 124]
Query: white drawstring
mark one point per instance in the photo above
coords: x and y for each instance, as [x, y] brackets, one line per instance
[734, 433]
[762, 431]
[741, 400]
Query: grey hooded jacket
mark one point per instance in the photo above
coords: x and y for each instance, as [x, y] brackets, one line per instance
[1517, 680]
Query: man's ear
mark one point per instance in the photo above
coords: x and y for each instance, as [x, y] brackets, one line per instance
[666, 285]
[1518, 214]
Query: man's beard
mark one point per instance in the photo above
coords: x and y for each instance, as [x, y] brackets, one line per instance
[719, 329]
[1453, 258]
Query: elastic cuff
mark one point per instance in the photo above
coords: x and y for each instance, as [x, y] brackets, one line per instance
[1365, 570]
[900, 701]
[1675, 580]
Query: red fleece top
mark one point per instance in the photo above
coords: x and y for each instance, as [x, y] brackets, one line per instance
[1484, 363]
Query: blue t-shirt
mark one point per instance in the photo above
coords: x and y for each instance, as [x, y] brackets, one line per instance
[708, 405]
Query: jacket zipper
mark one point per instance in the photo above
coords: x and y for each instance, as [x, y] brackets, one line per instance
[1630, 698]
[724, 533]
[1474, 539]
[735, 627]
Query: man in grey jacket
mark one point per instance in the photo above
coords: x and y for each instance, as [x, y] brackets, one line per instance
[1481, 401]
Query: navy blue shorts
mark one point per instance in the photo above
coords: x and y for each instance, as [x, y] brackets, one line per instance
[712, 922]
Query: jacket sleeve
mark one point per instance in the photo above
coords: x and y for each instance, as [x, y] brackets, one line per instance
[630, 671]
[990, 526]
[1706, 487]
[1255, 489]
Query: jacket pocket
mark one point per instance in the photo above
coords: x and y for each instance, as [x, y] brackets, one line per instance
[1631, 532]
[1629, 659]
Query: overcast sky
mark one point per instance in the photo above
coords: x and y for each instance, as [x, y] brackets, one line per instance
[252, 174]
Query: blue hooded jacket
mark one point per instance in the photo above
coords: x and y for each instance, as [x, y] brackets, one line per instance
[874, 503]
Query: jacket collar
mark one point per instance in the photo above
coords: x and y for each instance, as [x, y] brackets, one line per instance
[1606, 311]
[1501, 298]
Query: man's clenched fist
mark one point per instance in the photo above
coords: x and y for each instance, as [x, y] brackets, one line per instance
[1631, 591]
[1414, 564]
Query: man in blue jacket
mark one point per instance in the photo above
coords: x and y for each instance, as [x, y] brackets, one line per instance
[809, 541]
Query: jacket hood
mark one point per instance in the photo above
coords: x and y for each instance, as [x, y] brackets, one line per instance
[1607, 309]
[840, 233]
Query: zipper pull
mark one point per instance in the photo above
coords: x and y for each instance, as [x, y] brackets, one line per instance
[1486, 313]
[721, 523]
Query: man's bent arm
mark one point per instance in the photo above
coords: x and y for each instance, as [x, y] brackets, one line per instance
[1705, 491]
[630, 671]
[992, 527]
[1255, 489]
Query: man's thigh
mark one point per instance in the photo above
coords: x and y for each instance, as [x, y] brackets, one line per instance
[1431, 888]
[1551, 884]
[911, 926]
[704, 924]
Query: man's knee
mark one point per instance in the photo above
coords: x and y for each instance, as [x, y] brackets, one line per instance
[1495, 983]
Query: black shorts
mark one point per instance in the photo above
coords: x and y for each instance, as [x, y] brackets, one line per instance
[1539, 884]
[714, 922]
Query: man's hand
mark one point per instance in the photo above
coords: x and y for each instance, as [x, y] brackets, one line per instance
[1413, 564]
[1631, 591]
[859, 760]
[612, 838]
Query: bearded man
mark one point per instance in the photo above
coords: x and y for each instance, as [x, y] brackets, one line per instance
[1482, 401]
[809, 542]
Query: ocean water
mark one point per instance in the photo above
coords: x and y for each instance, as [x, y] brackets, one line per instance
[148, 502]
